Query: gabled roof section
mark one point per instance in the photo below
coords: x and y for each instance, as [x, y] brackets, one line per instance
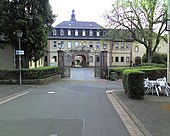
[74, 24]
[78, 25]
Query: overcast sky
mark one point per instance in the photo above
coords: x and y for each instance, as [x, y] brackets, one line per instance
[85, 10]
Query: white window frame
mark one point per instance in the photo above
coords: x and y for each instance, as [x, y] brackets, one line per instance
[54, 44]
[83, 33]
[122, 46]
[76, 44]
[54, 32]
[117, 46]
[69, 45]
[98, 33]
[61, 32]
[127, 59]
[98, 45]
[69, 32]
[136, 48]
[76, 33]
[90, 33]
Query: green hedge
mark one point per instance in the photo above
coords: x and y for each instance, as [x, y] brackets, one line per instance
[150, 72]
[118, 71]
[133, 83]
[35, 73]
[154, 65]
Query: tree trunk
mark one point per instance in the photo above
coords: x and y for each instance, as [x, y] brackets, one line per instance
[148, 55]
[35, 64]
[25, 62]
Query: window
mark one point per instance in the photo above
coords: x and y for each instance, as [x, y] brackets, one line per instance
[127, 59]
[122, 59]
[76, 44]
[117, 46]
[91, 46]
[69, 32]
[91, 33]
[98, 34]
[105, 46]
[127, 46]
[122, 46]
[69, 45]
[54, 59]
[54, 44]
[91, 58]
[54, 32]
[62, 32]
[98, 59]
[116, 59]
[136, 49]
[84, 33]
[62, 45]
[76, 33]
[98, 45]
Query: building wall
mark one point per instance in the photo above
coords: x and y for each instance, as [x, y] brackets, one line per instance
[7, 57]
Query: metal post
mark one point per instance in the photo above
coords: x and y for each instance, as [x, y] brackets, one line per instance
[20, 74]
[168, 60]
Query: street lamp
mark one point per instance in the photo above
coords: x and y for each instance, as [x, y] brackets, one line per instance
[168, 29]
[19, 35]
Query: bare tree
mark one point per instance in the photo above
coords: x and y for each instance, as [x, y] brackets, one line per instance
[145, 21]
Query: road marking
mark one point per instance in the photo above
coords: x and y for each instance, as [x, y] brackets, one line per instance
[131, 126]
[53, 135]
[50, 92]
[12, 97]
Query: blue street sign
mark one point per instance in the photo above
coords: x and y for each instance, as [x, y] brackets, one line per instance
[19, 52]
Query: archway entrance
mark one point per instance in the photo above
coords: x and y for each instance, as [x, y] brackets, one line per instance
[80, 58]
[80, 61]
[137, 61]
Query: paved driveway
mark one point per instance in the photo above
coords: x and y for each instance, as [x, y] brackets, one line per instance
[71, 107]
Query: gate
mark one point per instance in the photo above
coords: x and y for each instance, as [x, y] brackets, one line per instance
[97, 66]
[67, 64]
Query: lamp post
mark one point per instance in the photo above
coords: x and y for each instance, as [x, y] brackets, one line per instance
[168, 29]
[19, 35]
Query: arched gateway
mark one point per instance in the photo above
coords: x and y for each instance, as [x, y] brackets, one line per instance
[82, 58]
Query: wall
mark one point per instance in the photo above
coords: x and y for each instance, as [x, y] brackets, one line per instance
[7, 57]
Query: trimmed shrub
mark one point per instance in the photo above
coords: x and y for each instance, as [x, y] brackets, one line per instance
[118, 71]
[153, 65]
[35, 73]
[133, 83]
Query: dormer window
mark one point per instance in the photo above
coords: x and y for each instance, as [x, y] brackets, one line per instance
[62, 32]
[90, 33]
[69, 32]
[54, 32]
[76, 33]
[98, 34]
[84, 33]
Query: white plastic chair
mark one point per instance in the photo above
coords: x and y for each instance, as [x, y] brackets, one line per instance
[150, 87]
[163, 86]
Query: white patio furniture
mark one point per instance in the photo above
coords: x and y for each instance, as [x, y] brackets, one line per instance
[158, 86]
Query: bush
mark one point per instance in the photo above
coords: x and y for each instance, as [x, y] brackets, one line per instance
[38, 73]
[35, 73]
[160, 58]
[153, 65]
[118, 71]
[133, 83]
